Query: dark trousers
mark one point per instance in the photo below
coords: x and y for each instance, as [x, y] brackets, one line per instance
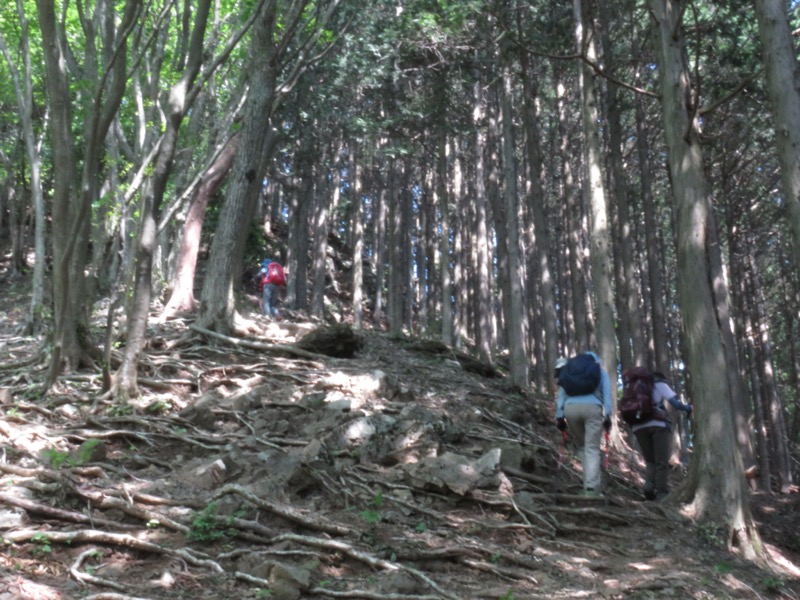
[656, 445]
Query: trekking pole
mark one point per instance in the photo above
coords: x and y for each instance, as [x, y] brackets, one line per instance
[608, 446]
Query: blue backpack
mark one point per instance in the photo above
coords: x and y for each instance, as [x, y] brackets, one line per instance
[580, 376]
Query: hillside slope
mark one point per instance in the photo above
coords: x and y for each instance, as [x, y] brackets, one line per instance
[265, 467]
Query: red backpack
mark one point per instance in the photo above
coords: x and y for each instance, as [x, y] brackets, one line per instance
[274, 275]
[636, 405]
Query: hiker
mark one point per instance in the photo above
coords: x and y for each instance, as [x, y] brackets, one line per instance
[655, 438]
[272, 279]
[584, 408]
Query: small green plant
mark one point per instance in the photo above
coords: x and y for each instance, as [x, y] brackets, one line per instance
[158, 407]
[43, 542]
[56, 458]
[509, 595]
[773, 584]
[262, 593]
[710, 533]
[121, 410]
[373, 514]
[421, 527]
[86, 450]
[724, 568]
[495, 558]
[205, 526]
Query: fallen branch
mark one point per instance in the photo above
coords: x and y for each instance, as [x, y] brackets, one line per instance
[58, 513]
[82, 577]
[369, 559]
[103, 501]
[258, 345]
[93, 536]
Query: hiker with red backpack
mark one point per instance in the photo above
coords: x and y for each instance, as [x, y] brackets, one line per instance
[642, 408]
[272, 279]
[584, 407]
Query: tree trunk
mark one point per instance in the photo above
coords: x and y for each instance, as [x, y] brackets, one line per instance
[23, 85]
[445, 257]
[716, 485]
[601, 255]
[358, 240]
[179, 103]
[486, 340]
[182, 299]
[540, 250]
[783, 84]
[516, 319]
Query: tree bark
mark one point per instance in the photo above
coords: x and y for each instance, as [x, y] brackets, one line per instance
[182, 299]
[601, 255]
[516, 319]
[783, 85]
[716, 484]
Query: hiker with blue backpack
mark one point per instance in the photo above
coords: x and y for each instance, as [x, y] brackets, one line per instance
[642, 408]
[584, 408]
[272, 278]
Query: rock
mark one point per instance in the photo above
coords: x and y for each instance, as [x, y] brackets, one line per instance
[339, 341]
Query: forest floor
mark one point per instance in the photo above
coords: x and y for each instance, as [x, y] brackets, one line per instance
[257, 468]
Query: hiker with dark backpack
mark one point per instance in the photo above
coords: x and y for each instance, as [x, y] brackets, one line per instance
[642, 408]
[272, 279]
[584, 408]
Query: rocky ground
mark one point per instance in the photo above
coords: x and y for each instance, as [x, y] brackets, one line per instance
[282, 465]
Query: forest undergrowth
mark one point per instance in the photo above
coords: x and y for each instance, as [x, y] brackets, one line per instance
[265, 467]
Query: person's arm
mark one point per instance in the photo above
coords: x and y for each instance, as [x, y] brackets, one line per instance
[605, 389]
[562, 398]
[669, 394]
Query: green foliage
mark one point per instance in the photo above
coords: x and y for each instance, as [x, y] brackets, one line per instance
[509, 595]
[723, 568]
[43, 542]
[373, 513]
[711, 533]
[206, 526]
[56, 458]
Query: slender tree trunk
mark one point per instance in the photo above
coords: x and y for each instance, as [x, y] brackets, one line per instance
[179, 103]
[445, 259]
[66, 348]
[659, 347]
[601, 255]
[182, 298]
[217, 306]
[516, 318]
[577, 315]
[23, 85]
[783, 85]
[358, 240]
[716, 483]
[319, 262]
[772, 401]
[540, 252]
[486, 340]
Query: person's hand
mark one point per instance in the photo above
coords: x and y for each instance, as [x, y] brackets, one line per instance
[607, 423]
[689, 410]
[561, 424]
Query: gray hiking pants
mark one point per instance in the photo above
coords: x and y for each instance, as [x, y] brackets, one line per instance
[586, 427]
